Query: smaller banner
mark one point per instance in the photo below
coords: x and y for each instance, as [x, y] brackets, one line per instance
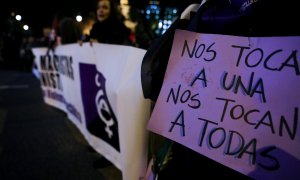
[234, 100]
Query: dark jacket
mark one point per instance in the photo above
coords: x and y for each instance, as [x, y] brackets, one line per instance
[111, 31]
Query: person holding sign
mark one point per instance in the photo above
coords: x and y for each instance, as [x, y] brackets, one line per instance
[109, 27]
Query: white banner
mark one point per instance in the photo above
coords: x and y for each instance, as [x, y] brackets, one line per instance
[99, 87]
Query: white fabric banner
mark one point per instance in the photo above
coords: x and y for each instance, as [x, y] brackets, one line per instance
[99, 87]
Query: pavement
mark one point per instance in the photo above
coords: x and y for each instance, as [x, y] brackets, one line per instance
[37, 141]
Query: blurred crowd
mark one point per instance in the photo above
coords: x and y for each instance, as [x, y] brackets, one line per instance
[110, 23]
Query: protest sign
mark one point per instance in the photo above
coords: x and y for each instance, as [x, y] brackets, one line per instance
[235, 100]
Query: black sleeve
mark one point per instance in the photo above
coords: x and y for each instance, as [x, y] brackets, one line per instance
[93, 32]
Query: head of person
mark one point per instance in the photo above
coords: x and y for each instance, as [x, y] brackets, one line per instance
[69, 30]
[104, 9]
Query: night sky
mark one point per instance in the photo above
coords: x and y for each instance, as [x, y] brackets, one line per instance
[39, 14]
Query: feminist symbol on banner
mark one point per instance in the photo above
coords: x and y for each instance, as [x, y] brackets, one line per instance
[99, 116]
[103, 108]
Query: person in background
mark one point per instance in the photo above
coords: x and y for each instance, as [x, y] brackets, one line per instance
[69, 31]
[109, 27]
[142, 31]
[141, 35]
[26, 54]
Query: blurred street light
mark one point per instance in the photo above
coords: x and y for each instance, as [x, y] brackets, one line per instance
[18, 17]
[78, 18]
[25, 27]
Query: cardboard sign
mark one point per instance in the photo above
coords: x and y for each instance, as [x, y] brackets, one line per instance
[235, 100]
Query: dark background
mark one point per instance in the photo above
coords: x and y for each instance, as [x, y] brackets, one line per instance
[39, 14]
